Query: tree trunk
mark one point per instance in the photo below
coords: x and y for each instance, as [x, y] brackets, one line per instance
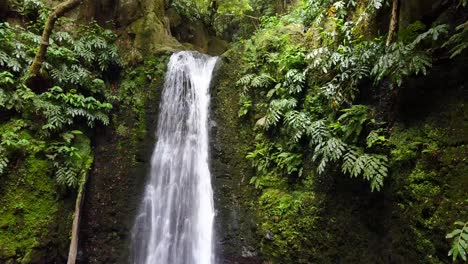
[73, 252]
[393, 28]
[58, 12]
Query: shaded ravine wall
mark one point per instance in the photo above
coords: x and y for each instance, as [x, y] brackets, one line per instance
[230, 139]
[122, 157]
[404, 223]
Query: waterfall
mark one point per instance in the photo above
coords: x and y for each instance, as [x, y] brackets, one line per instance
[174, 224]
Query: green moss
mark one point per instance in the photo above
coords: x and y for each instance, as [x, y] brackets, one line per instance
[231, 140]
[30, 211]
[333, 219]
[151, 35]
[285, 217]
[430, 179]
[136, 91]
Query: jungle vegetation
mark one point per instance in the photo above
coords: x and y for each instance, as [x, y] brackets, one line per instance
[319, 91]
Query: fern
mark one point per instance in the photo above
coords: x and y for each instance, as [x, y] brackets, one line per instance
[297, 122]
[245, 105]
[66, 175]
[310, 95]
[294, 81]
[61, 108]
[261, 157]
[328, 151]
[460, 241]
[318, 132]
[270, 160]
[372, 167]
[277, 109]
[403, 60]
[77, 63]
[459, 41]
[375, 138]
[3, 160]
[69, 163]
[261, 81]
[289, 162]
[353, 120]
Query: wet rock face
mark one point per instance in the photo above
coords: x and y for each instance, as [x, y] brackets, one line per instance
[235, 222]
[111, 200]
[122, 160]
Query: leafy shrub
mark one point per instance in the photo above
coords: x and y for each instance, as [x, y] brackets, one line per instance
[49, 122]
[309, 94]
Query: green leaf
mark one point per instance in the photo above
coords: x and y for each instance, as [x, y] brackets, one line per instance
[453, 233]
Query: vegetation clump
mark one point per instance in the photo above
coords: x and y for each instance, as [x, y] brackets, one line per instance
[322, 97]
[46, 123]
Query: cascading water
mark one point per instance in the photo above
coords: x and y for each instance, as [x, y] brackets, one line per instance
[175, 221]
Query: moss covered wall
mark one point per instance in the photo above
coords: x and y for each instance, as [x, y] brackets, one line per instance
[339, 220]
[236, 240]
[35, 215]
[335, 219]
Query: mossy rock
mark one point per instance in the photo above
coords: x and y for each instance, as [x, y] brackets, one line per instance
[34, 219]
[150, 35]
[132, 10]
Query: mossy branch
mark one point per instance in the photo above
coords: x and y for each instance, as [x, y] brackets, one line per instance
[58, 12]
[393, 28]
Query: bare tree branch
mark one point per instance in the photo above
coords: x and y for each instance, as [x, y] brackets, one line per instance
[393, 28]
[60, 10]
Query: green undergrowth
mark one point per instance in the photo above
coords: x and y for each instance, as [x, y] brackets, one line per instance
[429, 179]
[46, 125]
[286, 216]
[317, 90]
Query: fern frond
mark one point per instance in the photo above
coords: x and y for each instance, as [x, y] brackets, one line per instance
[318, 132]
[460, 241]
[3, 160]
[372, 167]
[67, 175]
[297, 122]
[261, 81]
[276, 110]
[330, 151]
[294, 81]
[459, 41]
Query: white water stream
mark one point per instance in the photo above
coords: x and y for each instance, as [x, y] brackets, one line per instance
[174, 224]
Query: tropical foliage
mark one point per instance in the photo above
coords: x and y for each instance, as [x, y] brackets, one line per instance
[311, 93]
[51, 118]
[320, 95]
